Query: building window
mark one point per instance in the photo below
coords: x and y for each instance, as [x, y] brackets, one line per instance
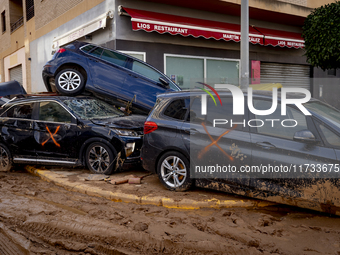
[29, 9]
[189, 71]
[16, 14]
[3, 21]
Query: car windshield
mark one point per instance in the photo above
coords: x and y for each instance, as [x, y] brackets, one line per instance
[325, 111]
[89, 109]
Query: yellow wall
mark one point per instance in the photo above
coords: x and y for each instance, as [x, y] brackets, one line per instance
[67, 16]
[317, 3]
[13, 60]
[294, 7]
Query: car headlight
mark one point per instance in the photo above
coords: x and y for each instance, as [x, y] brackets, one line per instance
[124, 132]
[129, 148]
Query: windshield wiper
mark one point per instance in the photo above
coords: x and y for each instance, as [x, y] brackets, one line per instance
[105, 117]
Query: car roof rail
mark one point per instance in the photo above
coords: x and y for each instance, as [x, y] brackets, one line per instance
[2, 106]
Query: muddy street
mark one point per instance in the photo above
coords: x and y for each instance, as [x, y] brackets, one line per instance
[38, 217]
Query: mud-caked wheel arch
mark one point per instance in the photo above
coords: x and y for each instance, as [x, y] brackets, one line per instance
[173, 169]
[70, 82]
[5, 158]
[100, 158]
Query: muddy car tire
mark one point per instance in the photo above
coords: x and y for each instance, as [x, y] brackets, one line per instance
[100, 159]
[173, 170]
[5, 159]
[69, 82]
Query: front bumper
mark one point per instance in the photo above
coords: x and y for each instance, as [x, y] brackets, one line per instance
[47, 74]
[132, 156]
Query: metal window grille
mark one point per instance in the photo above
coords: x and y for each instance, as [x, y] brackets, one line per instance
[29, 9]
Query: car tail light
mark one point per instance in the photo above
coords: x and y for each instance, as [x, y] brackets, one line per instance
[149, 127]
[61, 50]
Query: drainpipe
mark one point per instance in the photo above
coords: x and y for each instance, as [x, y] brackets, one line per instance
[244, 44]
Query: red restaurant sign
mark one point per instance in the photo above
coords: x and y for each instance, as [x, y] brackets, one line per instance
[185, 26]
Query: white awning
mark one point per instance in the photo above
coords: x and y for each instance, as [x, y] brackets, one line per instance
[85, 29]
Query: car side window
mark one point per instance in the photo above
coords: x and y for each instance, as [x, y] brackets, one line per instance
[97, 52]
[177, 109]
[21, 111]
[145, 70]
[53, 112]
[275, 124]
[195, 115]
[328, 135]
[87, 48]
[224, 113]
[114, 58]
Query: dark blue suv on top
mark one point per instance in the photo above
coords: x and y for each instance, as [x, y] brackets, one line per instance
[108, 74]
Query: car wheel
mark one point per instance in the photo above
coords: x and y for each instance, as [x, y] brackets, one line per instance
[5, 158]
[100, 159]
[69, 82]
[174, 171]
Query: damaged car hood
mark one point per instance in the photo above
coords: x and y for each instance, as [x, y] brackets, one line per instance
[135, 122]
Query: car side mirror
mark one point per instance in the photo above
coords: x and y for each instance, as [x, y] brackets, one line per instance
[164, 82]
[304, 136]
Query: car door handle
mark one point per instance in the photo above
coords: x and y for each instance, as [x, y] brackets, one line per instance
[191, 131]
[266, 145]
[132, 75]
[93, 60]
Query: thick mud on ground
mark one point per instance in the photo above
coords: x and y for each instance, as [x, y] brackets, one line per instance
[37, 217]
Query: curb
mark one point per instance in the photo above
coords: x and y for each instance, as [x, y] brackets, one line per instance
[187, 204]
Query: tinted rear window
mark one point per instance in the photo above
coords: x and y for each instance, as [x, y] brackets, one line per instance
[87, 48]
[177, 109]
[97, 52]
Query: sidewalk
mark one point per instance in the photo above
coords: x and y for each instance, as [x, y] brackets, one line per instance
[149, 192]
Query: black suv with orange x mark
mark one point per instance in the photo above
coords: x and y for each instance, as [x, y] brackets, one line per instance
[60, 130]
